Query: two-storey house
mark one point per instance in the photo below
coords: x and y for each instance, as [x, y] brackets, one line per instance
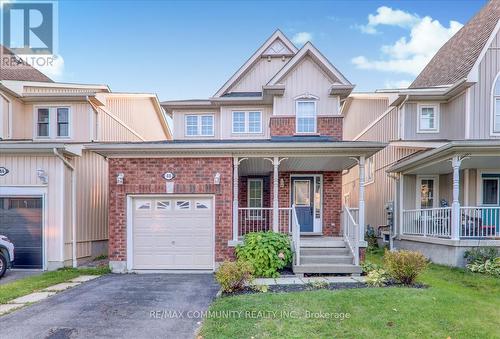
[441, 168]
[264, 153]
[53, 191]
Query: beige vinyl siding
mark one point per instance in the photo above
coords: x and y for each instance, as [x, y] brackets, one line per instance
[307, 78]
[258, 75]
[451, 120]
[480, 97]
[362, 112]
[138, 113]
[4, 117]
[91, 201]
[22, 172]
[179, 122]
[112, 129]
[22, 122]
[226, 123]
[68, 216]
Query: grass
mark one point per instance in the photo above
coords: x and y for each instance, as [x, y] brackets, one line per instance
[458, 304]
[31, 284]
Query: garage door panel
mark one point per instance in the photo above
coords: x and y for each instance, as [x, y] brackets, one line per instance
[173, 233]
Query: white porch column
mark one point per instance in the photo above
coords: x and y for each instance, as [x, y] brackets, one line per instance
[235, 198]
[276, 164]
[455, 206]
[401, 204]
[361, 217]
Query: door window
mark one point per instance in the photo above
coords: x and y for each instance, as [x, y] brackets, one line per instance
[427, 197]
[302, 191]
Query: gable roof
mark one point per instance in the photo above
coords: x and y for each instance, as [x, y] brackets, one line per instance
[310, 50]
[269, 47]
[458, 56]
[20, 71]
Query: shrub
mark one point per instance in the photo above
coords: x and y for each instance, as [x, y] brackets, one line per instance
[404, 266]
[367, 267]
[480, 254]
[233, 275]
[268, 252]
[491, 267]
[371, 238]
[377, 278]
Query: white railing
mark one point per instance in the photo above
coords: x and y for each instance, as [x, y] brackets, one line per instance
[254, 219]
[479, 222]
[355, 214]
[296, 235]
[351, 233]
[429, 222]
[284, 220]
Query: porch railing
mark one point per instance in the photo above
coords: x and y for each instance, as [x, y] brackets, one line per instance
[431, 222]
[480, 222]
[284, 219]
[295, 235]
[355, 214]
[257, 219]
[350, 230]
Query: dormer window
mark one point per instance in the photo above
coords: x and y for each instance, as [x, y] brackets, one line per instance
[428, 119]
[52, 122]
[306, 116]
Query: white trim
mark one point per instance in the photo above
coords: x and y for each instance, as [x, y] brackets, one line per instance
[129, 223]
[297, 116]
[437, 117]
[33, 192]
[246, 121]
[492, 106]
[419, 178]
[199, 118]
[467, 113]
[317, 223]
[372, 160]
[473, 75]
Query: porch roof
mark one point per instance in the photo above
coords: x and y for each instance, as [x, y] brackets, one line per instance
[482, 154]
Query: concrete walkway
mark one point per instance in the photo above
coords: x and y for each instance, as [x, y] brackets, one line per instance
[303, 281]
[44, 294]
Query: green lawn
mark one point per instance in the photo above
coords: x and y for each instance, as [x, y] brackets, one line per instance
[27, 285]
[457, 304]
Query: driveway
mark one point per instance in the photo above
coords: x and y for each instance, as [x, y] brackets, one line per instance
[13, 275]
[118, 306]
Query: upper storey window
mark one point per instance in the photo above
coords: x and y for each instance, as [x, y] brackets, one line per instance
[200, 125]
[247, 122]
[52, 122]
[428, 118]
[496, 107]
[306, 116]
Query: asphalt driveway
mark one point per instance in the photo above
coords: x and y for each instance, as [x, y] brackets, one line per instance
[118, 306]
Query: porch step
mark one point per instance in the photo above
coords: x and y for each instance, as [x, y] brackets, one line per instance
[327, 268]
[316, 242]
[325, 259]
[305, 251]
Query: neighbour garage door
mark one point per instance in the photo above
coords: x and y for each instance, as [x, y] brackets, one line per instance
[172, 233]
[21, 222]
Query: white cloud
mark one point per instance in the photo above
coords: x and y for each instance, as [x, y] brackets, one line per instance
[388, 16]
[397, 84]
[50, 65]
[301, 38]
[407, 54]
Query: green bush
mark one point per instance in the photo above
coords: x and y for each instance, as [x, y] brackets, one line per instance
[491, 267]
[404, 266]
[480, 255]
[233, 275]
[377, 278]
[367, 267]
[268, 252]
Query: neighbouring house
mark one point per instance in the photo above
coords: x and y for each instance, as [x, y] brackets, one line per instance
[265, 153]
[53, 191]
[441, 168]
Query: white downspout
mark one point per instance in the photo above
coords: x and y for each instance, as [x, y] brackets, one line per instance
[73, 205]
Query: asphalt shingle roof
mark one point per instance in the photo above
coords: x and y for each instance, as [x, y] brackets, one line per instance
[10, 69]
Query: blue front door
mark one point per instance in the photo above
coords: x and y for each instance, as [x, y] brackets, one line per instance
[303, 199]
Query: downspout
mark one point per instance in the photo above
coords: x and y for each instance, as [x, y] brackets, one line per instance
[73, 204]
[392, 230]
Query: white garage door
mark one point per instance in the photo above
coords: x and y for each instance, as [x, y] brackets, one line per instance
[172, 233]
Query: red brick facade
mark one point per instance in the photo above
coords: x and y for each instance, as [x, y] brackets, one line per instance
[327, 126]
[193, 175]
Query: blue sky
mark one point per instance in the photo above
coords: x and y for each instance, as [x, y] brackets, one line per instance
[182, 50]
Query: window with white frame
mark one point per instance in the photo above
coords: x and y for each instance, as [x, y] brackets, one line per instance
[247, 122]
[306, 116]
[199, 125]
[496, 107]
[255, 192]
[369, 170]
[428, 118]
[52, 122]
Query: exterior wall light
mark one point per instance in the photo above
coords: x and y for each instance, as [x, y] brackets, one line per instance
[44, 178]
[119, 178]
[282, 183]
[217, 178]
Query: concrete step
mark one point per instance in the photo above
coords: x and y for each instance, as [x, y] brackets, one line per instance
[326, 259]
[330, 268]
[320, 242]
[324, 251]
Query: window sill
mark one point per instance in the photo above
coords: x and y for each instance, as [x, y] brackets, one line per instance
[427, 131]
[312, 134]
